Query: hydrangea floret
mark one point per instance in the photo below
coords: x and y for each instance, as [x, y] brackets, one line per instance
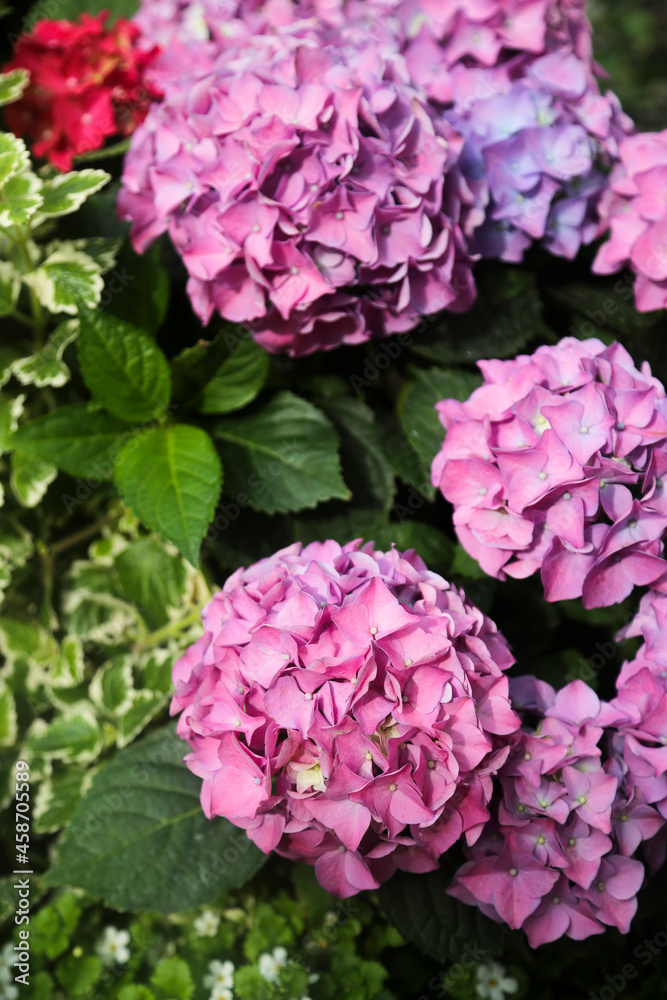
[347, 707]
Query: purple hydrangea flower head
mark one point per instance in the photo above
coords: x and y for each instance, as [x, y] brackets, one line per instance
[557, 858]
[346, 707]
[557, 463]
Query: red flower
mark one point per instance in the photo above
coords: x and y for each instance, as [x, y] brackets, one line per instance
[86, 84]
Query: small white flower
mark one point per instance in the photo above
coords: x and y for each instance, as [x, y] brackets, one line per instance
[8, 991]
[220, 980]
[113, 946]
[206, 924]
[7, 956]
[493, 984]
[270, 964]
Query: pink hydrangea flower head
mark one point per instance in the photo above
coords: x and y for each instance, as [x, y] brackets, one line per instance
[556, 464]
[329, 170]
[345, 706]
[633, 211]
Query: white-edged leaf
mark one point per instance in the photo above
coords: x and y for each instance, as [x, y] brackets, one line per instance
[69, 667]
[67, 192]
[66, 280]
[58, 796]
[47, 366]
[112, 688]
[10, 286]
[11, 408]
[75, 735]
[30, 478]
[19, 200]
[145, 706]
[12, 85]
[14, 156]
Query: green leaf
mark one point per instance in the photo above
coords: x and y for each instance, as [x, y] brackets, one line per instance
[283, 458]
[506, 316]
[10, 286]
[66, 193]
[135, 992]
[12, 85]
[138, 288]
[14, 157]
[102, 249]
[152, 578]
[70, 10]
[77, 438]
[441, 926]
[66, 281]
[171, 478]
[365, 468]
[21, 197]
[158, 815]
[123, 367]
[78, 974]
[30, 478]
[47, 366]
[69, 669]
[195, 366]
[112, 688]
[8, 720]
[430, 543]
[70, 737]
[416, 409]
[172, 980]
[52, 927]
[145, 706]
[238, 381]
[11, 408]
[58, 797]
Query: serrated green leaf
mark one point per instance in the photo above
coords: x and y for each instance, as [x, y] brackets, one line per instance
[71, 737]
[102, 249]
[20, 198]
[123, 367]
[283, 458]
[419, 419]
[171, 478]
[152, 579]
[10, 286]
[365, 468]
[66, 193]
[77, 438]
[47, 367]
[441, 926]
[66, 281]
[12, 85]
[158, 815]
[30, 477]
[238, 381]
